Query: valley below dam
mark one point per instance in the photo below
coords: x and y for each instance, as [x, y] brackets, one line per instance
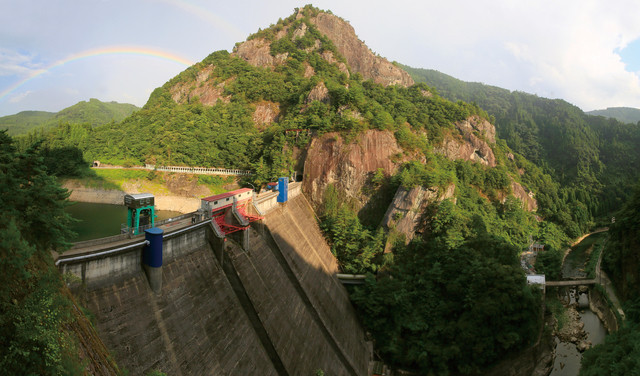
[581, 321]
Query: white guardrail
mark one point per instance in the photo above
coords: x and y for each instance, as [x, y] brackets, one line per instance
[198, 170]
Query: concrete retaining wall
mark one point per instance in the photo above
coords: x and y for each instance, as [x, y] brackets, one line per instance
[114, 267]
[110, 269]
[183, 242]
[599, 305]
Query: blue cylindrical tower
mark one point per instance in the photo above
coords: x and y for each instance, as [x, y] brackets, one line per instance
[152, 258]
[153, 252]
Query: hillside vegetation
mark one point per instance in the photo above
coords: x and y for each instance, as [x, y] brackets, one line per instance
[93, 112]
[594, 159]
[42, 332]
[622, 114]
[620, 353]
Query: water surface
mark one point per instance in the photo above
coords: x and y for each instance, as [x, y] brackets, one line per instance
[102, 220]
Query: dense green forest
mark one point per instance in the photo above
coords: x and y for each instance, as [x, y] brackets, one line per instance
[622, 114]
[35, 307]
[593, 158]
[93, 112]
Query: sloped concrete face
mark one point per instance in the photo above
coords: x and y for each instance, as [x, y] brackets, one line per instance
[298, 237]
[194, 327]
[296, 334]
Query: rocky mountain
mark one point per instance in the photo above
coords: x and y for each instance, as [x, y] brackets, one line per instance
[593, 155]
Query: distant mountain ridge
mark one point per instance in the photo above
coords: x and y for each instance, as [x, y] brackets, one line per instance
[94, 112]
[623, 114]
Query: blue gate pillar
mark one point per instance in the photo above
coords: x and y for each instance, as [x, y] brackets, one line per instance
[283, 189]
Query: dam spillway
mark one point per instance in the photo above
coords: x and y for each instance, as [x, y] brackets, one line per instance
[276, 307]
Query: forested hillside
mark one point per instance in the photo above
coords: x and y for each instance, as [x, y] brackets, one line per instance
[596, 160]
[622, 114]
[619, 355]
[42, 330]
[93, 112]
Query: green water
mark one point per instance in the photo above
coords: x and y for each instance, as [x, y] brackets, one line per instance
[102, 220]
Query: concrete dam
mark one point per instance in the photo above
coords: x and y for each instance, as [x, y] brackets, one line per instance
[264, 300]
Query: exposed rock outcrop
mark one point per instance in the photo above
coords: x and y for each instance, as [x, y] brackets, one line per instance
[404, 213]
[257, 52]
[208, 92]
[330, 160]
[528, 202]
[265, 113]
[359, 58]
[319, 93]
[469, 144]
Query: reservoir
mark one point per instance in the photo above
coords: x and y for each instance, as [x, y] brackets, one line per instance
[102, 220]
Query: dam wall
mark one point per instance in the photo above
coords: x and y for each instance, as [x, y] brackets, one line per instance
[274, 307]
[298, 337]
[296, 233]
[196, 326]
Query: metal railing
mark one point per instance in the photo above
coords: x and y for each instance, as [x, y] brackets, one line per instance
[199, 170]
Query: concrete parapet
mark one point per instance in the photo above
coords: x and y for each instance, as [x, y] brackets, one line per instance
[265, 202]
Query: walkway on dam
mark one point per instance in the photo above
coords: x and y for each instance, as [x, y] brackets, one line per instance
[98, 245]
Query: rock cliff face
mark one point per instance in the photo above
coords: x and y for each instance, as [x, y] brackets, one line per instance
[359, 57]
[208, 92]
[405, 212]
[348, 166]
[471, 143]
[528, 202]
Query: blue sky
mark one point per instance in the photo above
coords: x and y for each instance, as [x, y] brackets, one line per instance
[585, 52]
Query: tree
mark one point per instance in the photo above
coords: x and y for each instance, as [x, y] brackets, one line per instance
[32, 306]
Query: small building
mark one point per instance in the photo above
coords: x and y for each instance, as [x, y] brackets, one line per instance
[537, 247]
[537, 279]
[221, 201]
[140, 212]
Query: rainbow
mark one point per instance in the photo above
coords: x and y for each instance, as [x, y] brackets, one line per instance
[207, 16]
[111, 50]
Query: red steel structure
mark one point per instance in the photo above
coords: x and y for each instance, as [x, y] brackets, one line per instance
[220, 205]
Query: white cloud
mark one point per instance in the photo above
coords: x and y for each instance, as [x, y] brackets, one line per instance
[13, 63]
[18, 97]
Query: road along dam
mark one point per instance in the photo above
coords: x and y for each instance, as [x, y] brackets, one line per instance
[263, 300]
